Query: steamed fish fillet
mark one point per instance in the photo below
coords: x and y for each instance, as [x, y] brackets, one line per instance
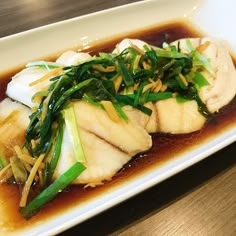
[126, 43]
[168, 116]
[72, 58]
[127, 136]
[19, 87]
[149, 123]
[103, 160]
[13, 123]
[222, 88]
[179, 118]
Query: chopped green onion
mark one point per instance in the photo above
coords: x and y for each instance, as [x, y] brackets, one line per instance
[50, 192]
[198, 58]
[129, 100]
[146, 47]
[143, 97]
[199, 80]
[180, 82]
[165, 45]
[44, 64]
[106, 56]
[138, 94]
[128, 90]
[159, 96]
[169, 54]
[144, 109]
[73, 130]
[89, 100]
[152, 97]
[18, 169]
[120, 112]
[125, 73]
[69, 92]
[134, 60]
[189, 45]
[43, 93]
[57, 151]
[3, 160]
[181, 99]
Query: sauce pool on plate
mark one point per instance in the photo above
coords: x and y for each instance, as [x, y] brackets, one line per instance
[165, 147]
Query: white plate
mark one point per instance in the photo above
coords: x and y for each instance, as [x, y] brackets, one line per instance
[213, 17]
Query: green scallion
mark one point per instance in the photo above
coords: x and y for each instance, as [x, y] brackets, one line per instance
[52, 190]
[199, 80]
[73, 130]
[44, 64]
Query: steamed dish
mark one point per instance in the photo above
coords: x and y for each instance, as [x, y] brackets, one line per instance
[89, 115]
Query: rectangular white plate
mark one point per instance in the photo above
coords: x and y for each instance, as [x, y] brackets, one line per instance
[210, 16]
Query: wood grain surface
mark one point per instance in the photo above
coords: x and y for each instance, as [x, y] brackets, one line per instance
[198, 201]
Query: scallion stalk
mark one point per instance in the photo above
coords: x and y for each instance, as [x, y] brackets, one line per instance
[120, 112]
[199, 80]
[169, 54]
[125, 73]
[50, 192]
[57, 151]
[73, 130]
[3, 160]
[44, 64]
[159, 96]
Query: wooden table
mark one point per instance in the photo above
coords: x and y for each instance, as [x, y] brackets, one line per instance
[198, 201]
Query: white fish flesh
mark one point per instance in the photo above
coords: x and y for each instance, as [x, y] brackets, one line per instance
[103, 160]
[71, 58]
[149, 123]
[126, 43]
[179, 118]
[127, 136]
[19, 87]
[13, 123]
[222, 88]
